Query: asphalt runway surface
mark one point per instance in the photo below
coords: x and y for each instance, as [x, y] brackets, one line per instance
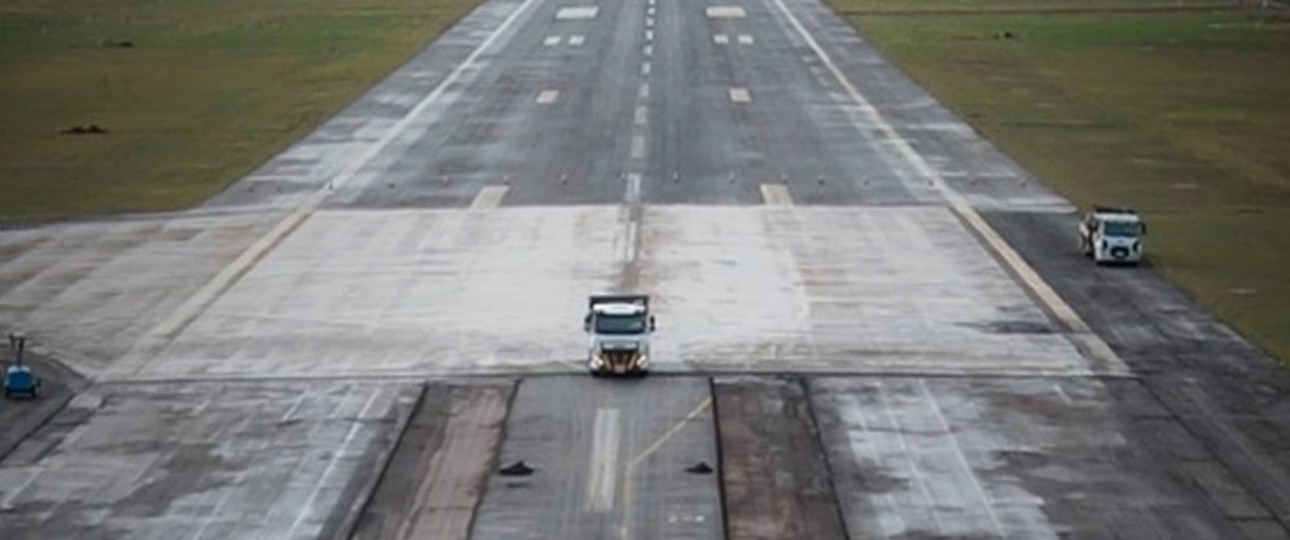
[872, 324]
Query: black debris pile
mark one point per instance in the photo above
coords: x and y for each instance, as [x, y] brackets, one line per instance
[699, 468]
[91, 129]
[1006, 34]
[118, 44]
[519, 468]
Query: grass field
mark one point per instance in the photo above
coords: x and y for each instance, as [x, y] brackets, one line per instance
[209, 90]
[1181, 113]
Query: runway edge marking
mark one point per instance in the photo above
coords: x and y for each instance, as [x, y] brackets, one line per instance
[1103, 358]
[195, 305]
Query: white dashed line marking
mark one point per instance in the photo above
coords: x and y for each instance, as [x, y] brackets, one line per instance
[643, 93]
[570, 13]
[745, 39]
[548, 96]
[649, 21]
[649, 35]
[633, 193]
[642, 115]
[726, 12]
[576, 41]
[488, 197]
[721, 39]
[740, 95]
[551, 41]
[645, 68]
[650, 11]
[638, 146]
[776, 195]
[602, 476]
[649, 50]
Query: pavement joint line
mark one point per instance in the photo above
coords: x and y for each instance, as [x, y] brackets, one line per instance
[548, 96]
[195, 305]
[776, 195]
[602, 475]
[489, 197]
[740, 95]
[1080, 332]
[630, 472]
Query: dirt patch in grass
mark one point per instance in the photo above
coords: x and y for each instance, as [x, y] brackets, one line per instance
[187, 95]
[1182, 114]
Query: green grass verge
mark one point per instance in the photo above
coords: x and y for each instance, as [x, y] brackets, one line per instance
[1182, 114]
[210, 89]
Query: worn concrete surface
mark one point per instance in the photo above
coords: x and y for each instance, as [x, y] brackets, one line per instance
[796, 206]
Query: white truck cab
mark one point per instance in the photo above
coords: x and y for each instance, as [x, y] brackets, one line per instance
[1112, 235]
[618, 329]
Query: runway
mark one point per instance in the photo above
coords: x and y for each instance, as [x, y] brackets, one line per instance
[872, 324]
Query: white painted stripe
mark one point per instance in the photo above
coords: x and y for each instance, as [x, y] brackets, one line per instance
[721, 39]
[1083, 336]
[202, 299]
[745, 39]
[651, 2]
[645, 68]
[551, 41]
[649, 50]
[602, 478]
[650, 11]
[776, 195]
[642, 115]
[649, 35]
[649, 22]
[638, 146]
[633, 193]
[548, 96]
[570, 13]
[643, 92]
[577, 41]
[726, 12]
[740, 95]
[488, 197]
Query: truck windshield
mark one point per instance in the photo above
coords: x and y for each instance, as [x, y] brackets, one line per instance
[1120, 228]
[620, 324]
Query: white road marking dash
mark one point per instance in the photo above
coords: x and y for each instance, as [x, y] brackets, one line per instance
[740, 95]
[726, 12]
[571, 13]
[745, 39]
[488, 197]
[551, 41]
[776, 195]
[721, 39]
[576, 41]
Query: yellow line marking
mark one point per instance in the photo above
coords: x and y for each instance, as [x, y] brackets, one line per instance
[630, 473]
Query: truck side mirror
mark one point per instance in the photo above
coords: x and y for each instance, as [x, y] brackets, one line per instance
[651, 323]
[586, 323]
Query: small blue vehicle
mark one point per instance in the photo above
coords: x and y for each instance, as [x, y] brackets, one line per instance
[19, 381]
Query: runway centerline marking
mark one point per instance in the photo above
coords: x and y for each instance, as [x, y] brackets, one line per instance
[642, 115]
[551, 41]
[195, 305]
[548, 96]
[649, 21]
[1079, 331]
[488, 197]
[721, 39]
[649, 35]
[576, 40]
[745, 39]
[643, 91]
[575, 13]
[645, 68]
[776, 195]
[649, 50]
[633, 193]
[726, 12]
[740, 95]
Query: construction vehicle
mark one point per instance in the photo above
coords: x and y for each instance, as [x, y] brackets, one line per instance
[618, 328]
[1112, 235]
[19, 380]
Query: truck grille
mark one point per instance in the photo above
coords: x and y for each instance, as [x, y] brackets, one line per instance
[623, 359]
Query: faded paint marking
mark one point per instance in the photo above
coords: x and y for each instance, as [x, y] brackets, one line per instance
[488, 197]
[776, 195]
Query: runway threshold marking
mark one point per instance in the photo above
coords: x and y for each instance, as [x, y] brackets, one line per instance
[629, 474]
[726, 12]
[1081, 335]
[551, 41]
[187, 312]
[745, 39]
[574, 13]
[602, 478]
[776, 195]
[721, 39]
[488, 197]
[548, 96]
[740, 95]
[577, 40]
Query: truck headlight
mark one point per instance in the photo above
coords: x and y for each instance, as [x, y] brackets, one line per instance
[642, 361]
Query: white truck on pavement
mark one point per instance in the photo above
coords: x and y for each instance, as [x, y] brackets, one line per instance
[1112, 235]
[618, 328]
